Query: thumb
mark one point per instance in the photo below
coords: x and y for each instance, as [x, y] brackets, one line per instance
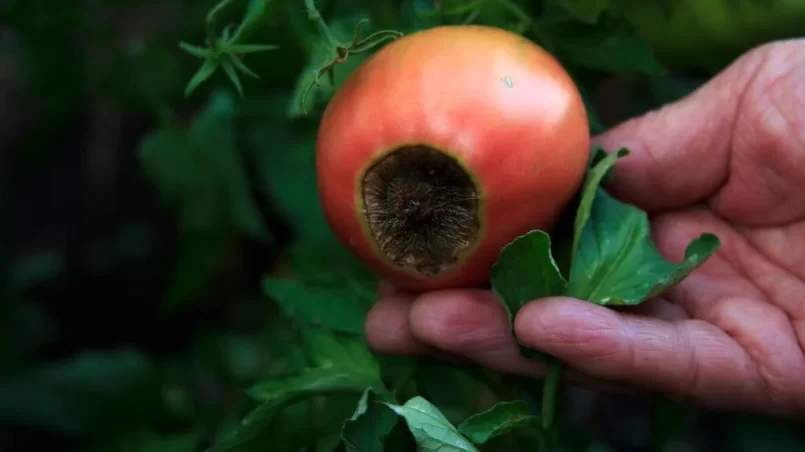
[680, 152]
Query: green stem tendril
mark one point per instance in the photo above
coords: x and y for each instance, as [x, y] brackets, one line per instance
[314, 15]
[341, 51]
[550, 392]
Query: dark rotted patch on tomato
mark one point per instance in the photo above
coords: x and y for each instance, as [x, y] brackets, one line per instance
[421, 207]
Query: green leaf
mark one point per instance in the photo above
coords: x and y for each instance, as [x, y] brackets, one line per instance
[171, 161]
[241, 66]
[257, 12]
[230, 72]
[293, 429]
[398, 371]
[198, 252]
[525, 270]
[457, 391]
[618, 264]
[204, 72]
[329, 349]
[600, 171]
[614, 261]
[283, 351]
[585, 10]
[256, 423]
[340, 365]
[607, 44]
[502, 418]
[287, 420]
[196, 51]
[83, 394]
[284, 154]
[321, 379]
[616, 53]
[252, 48]
[597, 155]
[324, 261]
[370, 424]
[432, 431]
[339, 362]
[337, 305]
[310, 421]
[200, 173]
[214, 131]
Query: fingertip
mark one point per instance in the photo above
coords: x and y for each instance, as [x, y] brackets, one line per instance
[387, 329]
[470, 324]
[455, 320]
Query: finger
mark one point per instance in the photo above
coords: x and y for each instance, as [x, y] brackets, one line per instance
[680, 153]
[686, 360]
[387, 329]
[741, 291]
[471, 324]
[658, 308]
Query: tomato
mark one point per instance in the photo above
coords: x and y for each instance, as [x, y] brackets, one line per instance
[444, 146]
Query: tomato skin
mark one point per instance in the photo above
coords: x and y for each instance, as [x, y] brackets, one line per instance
[499, 103]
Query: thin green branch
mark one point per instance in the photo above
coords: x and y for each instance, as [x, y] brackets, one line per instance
[314, 15]
[550, 392]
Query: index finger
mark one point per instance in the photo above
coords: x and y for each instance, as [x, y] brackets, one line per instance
[687, 359]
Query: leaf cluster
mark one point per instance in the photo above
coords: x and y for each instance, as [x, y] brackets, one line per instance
[228, 50]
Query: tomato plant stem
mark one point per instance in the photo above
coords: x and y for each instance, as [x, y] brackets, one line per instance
[314, 15]
[550, 392]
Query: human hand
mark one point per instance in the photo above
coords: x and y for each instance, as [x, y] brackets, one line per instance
[728, 159]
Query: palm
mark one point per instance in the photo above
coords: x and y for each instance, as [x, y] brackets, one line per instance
[741, 306]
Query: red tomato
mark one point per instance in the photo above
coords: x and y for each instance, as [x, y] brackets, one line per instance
[444, 146]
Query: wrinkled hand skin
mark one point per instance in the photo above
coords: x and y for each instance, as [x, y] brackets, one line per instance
[728, 159]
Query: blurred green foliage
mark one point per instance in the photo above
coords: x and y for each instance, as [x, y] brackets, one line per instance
[168, 280]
